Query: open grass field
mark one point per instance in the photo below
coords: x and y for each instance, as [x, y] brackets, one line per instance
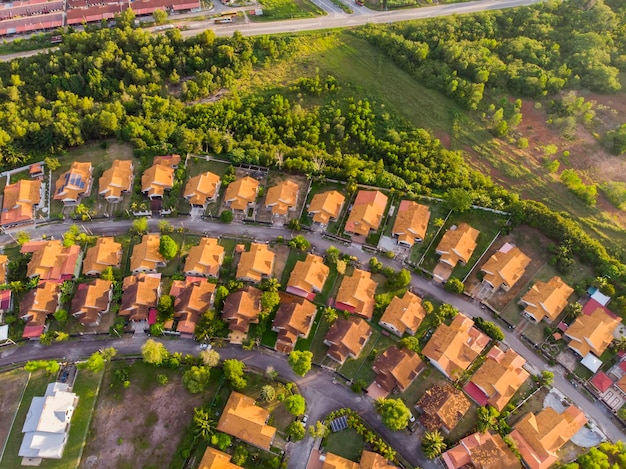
[346, 443]
[13, 384]
[287, 9]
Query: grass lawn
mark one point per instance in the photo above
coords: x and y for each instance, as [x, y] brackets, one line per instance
[305, 344]
[437, 213]
[13, 384]
[346, 443]
[317, 346]
[466, 425]
[329, 289]
[36, 387]
[360, 368]
[583, 372]
[534, 404]
[293, 257]
[427, 379]
[287, 9]
[197, 166]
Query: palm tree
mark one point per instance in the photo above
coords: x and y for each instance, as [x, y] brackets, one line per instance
[205, 425]
[433, 444]
[268, 393]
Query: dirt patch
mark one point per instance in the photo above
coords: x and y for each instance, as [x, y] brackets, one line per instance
[280, 260]
[136, 428]
[265, 215]
[13, 383]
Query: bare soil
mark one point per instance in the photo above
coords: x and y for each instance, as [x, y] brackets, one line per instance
[13, 383]
[138, 428]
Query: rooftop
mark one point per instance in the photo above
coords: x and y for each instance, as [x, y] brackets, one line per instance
[411, 222]
[457, 244]
[442, 407]
[403, 314]
[505, 267]
[18, 201]
[356, 294]
[547, 299]
[326, 206]
[592, 333]
[146, 255]
[367, 212]
[116, 180]
[105, 253]
[346, 338]
[156, 180]
[308, 276]
[397, 368]
[256, 263]
[205, 259]
[74, 183]
[201, 187]
[282, 197]
[246, 421]
[51, 260]
[482, 451]
[242, 192]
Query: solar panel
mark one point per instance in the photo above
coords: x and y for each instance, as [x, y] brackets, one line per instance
[340, 423]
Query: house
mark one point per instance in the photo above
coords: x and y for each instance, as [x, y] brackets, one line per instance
[539, 437]
[282, 198]
[51, 260]
[141, 295]
[411, 223]
[215, 459]
[205, 259]
[396, 369]
[202, 189]
[241, 308]
[19, 203]
[369, 460]
[308, 277]
[442, 408]
[74, 183]
[346, 338]
[48, 422]
[403, 315]
[171, 161]
[146, 255]
[256, 263]
[192, 298]
[505, 267]
[3, 269]
[483, 451]
[241, 194]
[6, 301]
[293, 320]
[36, 170]
[356, 294]
[456, 246]
[453, 348]
[244, 420]
[592, 333]
[546, 299]
[326, 207]
[116, 181]
[367, 213]
[498, 378]
[91, 301]
[106, 253]
[157, 179]
[37, 305]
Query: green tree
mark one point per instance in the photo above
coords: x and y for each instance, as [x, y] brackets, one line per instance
[332, 255]
[51, 366]
[197, 379]
[269, 300]
[488, 418]
[61, 315]
[546, 378]
[168, 247]
[97, 360]
[300, 361]
[295, 404]
[51, 163]
[221, 440]
[410, 343]
[107, 274]
[139, 226]
[234, 373]
[300, 243]
[271, 373]
[23, 237]
[454, 285]
[318, 430]
[240, 456]
[154, 352]
[375, 265]
[330, 314]
[226, 216]
[160, 16]
[162, 379]
[204, 425]
[433, 444]
[268, 393]
[165, 227]
[296, 431]
[458, 200]
[210, 358]
[394, 412]
[166, 307]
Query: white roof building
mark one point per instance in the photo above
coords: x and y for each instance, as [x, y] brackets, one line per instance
[48, 422]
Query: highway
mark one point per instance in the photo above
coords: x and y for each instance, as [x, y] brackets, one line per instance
[594, 410]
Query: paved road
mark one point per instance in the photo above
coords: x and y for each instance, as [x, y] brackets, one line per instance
[594, 410]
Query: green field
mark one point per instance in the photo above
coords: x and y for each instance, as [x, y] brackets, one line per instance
[287, 9]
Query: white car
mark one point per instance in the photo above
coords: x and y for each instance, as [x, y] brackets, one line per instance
[412, 418]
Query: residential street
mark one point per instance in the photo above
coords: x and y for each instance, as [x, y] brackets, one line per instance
[76, 350]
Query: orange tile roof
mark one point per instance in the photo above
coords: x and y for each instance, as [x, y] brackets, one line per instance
[171, 161]
[241, 192]
[194, 298]
[453, 348]
[411, 222]
[482, 451]
[40, 302]
[256, 263]
[367, 212]
[242, 308]
[346, 338]
[293, 319]
[202, 187]
[156, 180]
[397, 368]
[458, 244]
[74, 183]
[52, 261]
[621, 383]
[246, 421]
[282, 197]
[356, 294]
[505, 267]
[308, 276]
[116, 180]
[215, 459]
[539, 437]
[146, 256]
[19, 198]
[105, 253]
[141, 293]
[593, 332]
[500, 376]
[547, 299]
[443, 408]
[369, 460]
[205, 259]
[3, 268]
[326, 206]
[334, 461]
[403, 314]
[91, 300]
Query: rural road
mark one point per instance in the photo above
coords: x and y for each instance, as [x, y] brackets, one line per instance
[594, 410]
